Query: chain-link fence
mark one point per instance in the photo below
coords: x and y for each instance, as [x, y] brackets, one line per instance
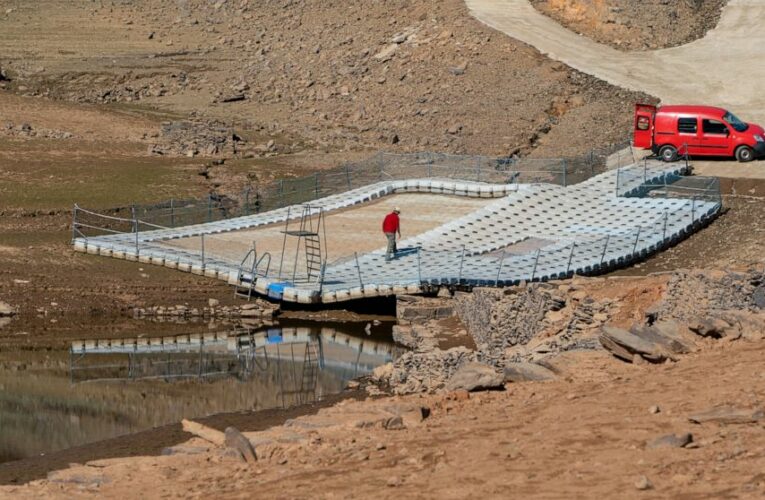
[380, 167]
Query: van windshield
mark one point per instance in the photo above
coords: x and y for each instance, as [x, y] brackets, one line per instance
[737, 124]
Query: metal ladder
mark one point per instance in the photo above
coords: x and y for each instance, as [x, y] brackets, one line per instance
[247, 275]
[309, 234]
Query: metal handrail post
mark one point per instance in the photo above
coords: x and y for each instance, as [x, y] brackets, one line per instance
[172, 213]
[645, 171]
[536, 261]
[605, 247]
[637, 239]
[666, 216]
[462, 261]
[74, 222]
[321, 277]
[419, 266]
[202, 237]
[693, 210]
[358, 269]
[570, 258]
[618, 176]
[284, 241]
[135, 230]
[209, 207]
[499, 269]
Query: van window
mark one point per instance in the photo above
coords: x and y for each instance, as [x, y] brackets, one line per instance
[714, 127]
[687, 125]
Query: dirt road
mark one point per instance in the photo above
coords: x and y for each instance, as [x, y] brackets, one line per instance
[720, 68]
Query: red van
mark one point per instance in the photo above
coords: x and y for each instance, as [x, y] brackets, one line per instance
[670, 131]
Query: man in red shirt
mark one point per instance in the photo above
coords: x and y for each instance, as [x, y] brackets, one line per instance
[391, 226]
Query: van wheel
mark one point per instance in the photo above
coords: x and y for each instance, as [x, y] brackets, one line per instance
[744, 154]
[668, 153]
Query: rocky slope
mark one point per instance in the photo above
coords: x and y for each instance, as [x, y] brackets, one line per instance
[397, 75]
[630, 25]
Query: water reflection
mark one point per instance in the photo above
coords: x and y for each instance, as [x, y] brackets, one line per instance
[102, 389]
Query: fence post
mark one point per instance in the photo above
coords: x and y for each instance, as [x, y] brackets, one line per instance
[499, 270]
[605, 247]
[202, 236]
[358, 269]
[693, 209]
[570, 258]
[666, 216]
[536, 261]
[172, 212]
[209, 207]
[462, 261]
[618, 177]
[637, 239]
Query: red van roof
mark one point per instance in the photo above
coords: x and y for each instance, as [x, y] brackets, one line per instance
[693, 110]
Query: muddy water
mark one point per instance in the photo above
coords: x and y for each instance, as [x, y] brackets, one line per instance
[52, 400]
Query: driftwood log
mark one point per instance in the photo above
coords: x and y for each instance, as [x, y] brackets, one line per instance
[232, 438]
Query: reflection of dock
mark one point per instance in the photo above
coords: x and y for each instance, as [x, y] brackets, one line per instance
[241, 354]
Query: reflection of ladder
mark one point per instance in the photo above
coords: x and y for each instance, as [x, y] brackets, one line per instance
[309, 234]
[310, 372]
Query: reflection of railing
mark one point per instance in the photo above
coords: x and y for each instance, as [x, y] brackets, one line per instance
[240, 354]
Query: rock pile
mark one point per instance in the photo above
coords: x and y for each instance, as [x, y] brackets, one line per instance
[531, 321]
[254, 310]
[703, 293]
[25, 130]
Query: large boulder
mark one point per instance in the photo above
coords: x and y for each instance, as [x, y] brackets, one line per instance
[527, 372]
[475, 377]
[626, 345]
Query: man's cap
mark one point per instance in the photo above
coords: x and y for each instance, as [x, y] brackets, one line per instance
[397, 210]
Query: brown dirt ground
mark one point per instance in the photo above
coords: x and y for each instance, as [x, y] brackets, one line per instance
[309, 74]
[583, 435]
[630, 25]
[153, 441]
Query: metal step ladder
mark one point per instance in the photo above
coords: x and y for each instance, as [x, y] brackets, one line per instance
[310, 233]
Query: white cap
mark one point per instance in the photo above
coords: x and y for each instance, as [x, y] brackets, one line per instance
[397, 210]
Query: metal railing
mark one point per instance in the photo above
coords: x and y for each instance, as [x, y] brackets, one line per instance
[380, 167]
[593, 255]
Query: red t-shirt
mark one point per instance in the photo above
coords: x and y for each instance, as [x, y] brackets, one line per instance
[390, 224]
